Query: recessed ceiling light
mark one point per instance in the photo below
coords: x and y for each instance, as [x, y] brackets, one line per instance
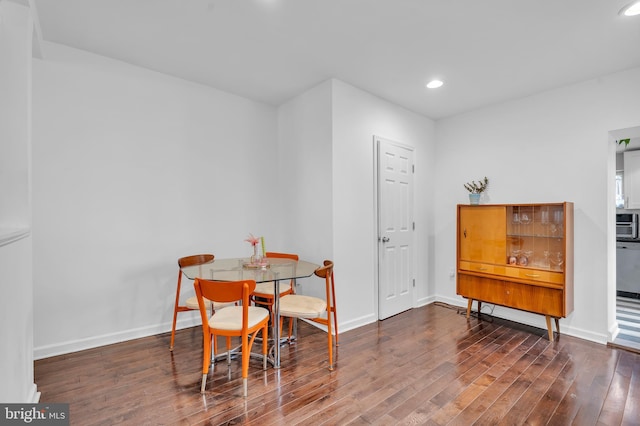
[631, 9]
[434, 84]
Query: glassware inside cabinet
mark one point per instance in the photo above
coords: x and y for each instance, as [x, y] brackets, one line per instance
[535, 236]
[541, 221]
[556, 225]
[520, 220]
[557, 260]
[513, 220]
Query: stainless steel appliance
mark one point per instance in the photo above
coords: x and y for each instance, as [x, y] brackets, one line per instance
[626, 225]
[628, 268]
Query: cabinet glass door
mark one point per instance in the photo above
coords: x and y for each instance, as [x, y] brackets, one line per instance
[535, 236]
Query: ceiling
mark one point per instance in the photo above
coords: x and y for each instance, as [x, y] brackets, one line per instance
[485, 51]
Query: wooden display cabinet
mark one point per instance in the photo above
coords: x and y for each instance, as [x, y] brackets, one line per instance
[519, 256]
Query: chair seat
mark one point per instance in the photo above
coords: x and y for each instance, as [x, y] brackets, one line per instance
[296, 305]
[266, 289]
[230, 318]
[192, 303]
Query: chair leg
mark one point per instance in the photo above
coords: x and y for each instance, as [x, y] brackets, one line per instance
[175, 311]
[291, 321]
[333, 306]
[204, 383]
[335, 324]
[206, 361]
[246, 349]
[330, 341]
[265, 348]
[173, 328]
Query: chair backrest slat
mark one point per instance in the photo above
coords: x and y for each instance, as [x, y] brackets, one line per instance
[275, 255]
[196, 259]
[224, 291]
[324, 270]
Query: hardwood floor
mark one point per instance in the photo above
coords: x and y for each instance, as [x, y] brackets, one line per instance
[425, 366]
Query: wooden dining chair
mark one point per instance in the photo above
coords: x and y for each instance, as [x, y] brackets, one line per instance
[264, 295]
[242, 321]
[191, 304]
[314, 308]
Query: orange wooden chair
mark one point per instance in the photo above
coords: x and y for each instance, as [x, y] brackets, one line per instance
[191, 304]
[264, 291]
[314, 308]
[242, 321]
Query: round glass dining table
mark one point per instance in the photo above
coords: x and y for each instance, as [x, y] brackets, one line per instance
[237, 269]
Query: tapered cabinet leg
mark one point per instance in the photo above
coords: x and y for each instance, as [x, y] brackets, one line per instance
[469, 303]
[549, 328]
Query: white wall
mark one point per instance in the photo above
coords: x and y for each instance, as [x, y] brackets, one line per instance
[327, 132]
[16, 30]
[16, 284]
[131, 170]
[550, 147]
[305, 176]
[357, 117]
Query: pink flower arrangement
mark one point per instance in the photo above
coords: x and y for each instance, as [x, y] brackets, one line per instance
[253, 240]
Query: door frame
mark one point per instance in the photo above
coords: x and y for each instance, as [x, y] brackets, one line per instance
[611, 303]
[376, 224]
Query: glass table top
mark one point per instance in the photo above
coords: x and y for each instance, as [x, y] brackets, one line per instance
[239, 269]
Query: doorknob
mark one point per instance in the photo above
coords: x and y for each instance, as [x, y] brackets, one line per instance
[385, 239]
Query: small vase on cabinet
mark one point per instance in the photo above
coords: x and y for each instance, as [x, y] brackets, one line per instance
[474, 199]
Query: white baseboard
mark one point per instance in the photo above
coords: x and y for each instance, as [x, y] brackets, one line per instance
[111, 338]
[356, 323]
[34, 395]
[534, 320]
[425, 301]
[613, 331]
[349, 325]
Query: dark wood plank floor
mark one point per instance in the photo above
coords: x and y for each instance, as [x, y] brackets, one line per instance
[425, 366]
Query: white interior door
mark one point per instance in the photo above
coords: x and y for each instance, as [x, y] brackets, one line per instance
[395, 228]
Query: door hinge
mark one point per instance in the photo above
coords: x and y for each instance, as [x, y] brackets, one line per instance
[414, 282]
[413, 168]
[414, 226]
